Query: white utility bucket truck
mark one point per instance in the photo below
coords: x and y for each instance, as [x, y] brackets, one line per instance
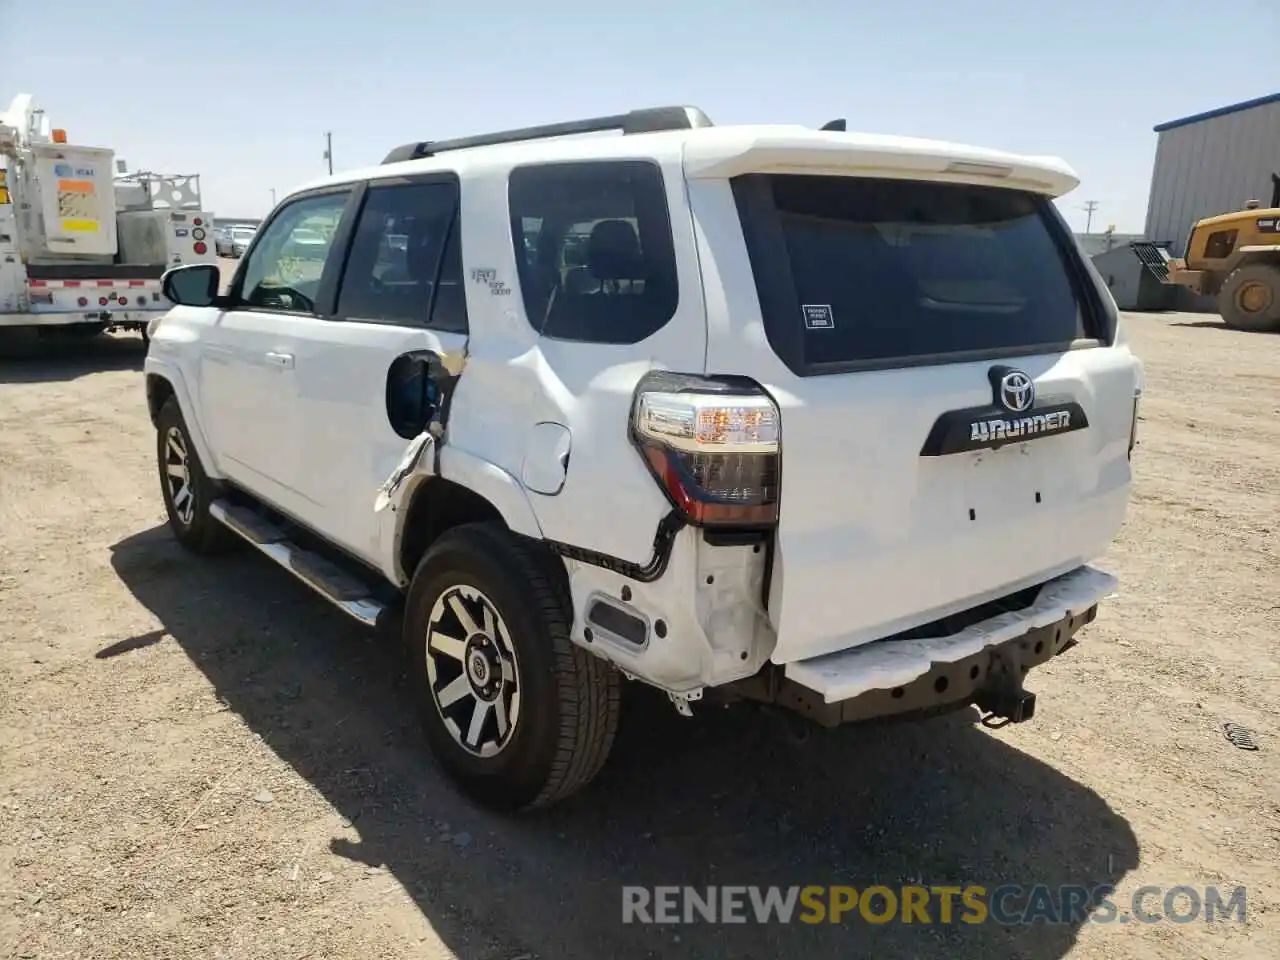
[82, 244]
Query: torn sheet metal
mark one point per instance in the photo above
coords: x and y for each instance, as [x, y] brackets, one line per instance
[414, 455]
[454, 361]
[440, 372]
[884, 664]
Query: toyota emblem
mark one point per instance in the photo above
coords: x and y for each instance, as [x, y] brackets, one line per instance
[1017, 391]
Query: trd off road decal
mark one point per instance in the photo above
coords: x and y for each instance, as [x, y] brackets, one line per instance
[488, 277]
[1013, 416]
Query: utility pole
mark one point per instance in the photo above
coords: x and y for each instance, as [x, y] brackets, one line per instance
[273, 197]
[1089, 206]
[328, 150]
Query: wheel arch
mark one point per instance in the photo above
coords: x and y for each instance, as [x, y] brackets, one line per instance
[159, 389]
[464, 489]
[163, 382]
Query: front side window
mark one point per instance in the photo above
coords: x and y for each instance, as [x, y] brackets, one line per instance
[283, 271]
[852, 270]
[594, 249]
[405, 265]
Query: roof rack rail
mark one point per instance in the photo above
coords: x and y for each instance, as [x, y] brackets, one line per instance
[647, 120]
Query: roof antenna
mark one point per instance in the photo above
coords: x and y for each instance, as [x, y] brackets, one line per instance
[838, 125]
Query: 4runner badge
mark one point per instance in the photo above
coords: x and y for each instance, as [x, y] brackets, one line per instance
[1013, 416]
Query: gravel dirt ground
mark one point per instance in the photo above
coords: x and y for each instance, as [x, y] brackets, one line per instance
[201, 759]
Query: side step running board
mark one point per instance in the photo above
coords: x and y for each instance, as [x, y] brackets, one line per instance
[344, 591]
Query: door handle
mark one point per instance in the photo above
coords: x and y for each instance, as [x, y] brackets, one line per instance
[282, 360]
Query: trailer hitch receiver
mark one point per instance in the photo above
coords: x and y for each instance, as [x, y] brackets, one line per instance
[1002, 698]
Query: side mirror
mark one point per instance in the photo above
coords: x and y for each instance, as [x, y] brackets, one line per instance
[192, 285]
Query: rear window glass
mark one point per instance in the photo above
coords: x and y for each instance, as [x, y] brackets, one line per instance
[856, 270]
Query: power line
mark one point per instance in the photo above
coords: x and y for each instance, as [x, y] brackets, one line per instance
[1089, 206]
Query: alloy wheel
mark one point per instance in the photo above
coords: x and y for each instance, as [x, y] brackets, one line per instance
[177, 470]
[473, 671]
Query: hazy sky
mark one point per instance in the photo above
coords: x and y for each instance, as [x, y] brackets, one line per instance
[243, 91]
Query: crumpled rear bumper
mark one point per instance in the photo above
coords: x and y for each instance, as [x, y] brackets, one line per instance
[894, 676]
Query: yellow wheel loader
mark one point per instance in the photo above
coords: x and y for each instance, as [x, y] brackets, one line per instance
[1236, 257]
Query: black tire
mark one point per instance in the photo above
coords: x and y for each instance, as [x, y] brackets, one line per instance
[1259, 282]
[191, 523]
[567, 715]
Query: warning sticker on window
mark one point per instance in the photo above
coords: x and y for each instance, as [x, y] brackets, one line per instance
[817, 316]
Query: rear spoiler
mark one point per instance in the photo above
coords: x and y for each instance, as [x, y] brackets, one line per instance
[729, 152]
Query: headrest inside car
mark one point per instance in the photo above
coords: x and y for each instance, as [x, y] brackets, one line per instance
[613, 251]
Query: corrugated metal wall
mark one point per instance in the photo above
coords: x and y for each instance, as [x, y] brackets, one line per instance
[1209, 167]
[1121, 271]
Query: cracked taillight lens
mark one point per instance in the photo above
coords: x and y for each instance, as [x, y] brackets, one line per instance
[713, 447]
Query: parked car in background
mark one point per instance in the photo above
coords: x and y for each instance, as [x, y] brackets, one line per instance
[231, 240]
[241, 237]
[222, 243]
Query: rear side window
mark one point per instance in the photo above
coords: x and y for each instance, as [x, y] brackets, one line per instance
[405, 265]
[594, 249]
[861, 272]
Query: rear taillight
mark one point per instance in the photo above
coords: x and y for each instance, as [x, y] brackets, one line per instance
[200, 247]
[713, 447]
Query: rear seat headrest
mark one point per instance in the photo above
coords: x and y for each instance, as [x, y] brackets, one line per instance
[613, 251]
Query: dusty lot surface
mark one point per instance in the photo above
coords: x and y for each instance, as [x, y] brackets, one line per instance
[200, 759]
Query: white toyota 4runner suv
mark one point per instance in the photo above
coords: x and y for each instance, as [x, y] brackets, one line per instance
[820, 419]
